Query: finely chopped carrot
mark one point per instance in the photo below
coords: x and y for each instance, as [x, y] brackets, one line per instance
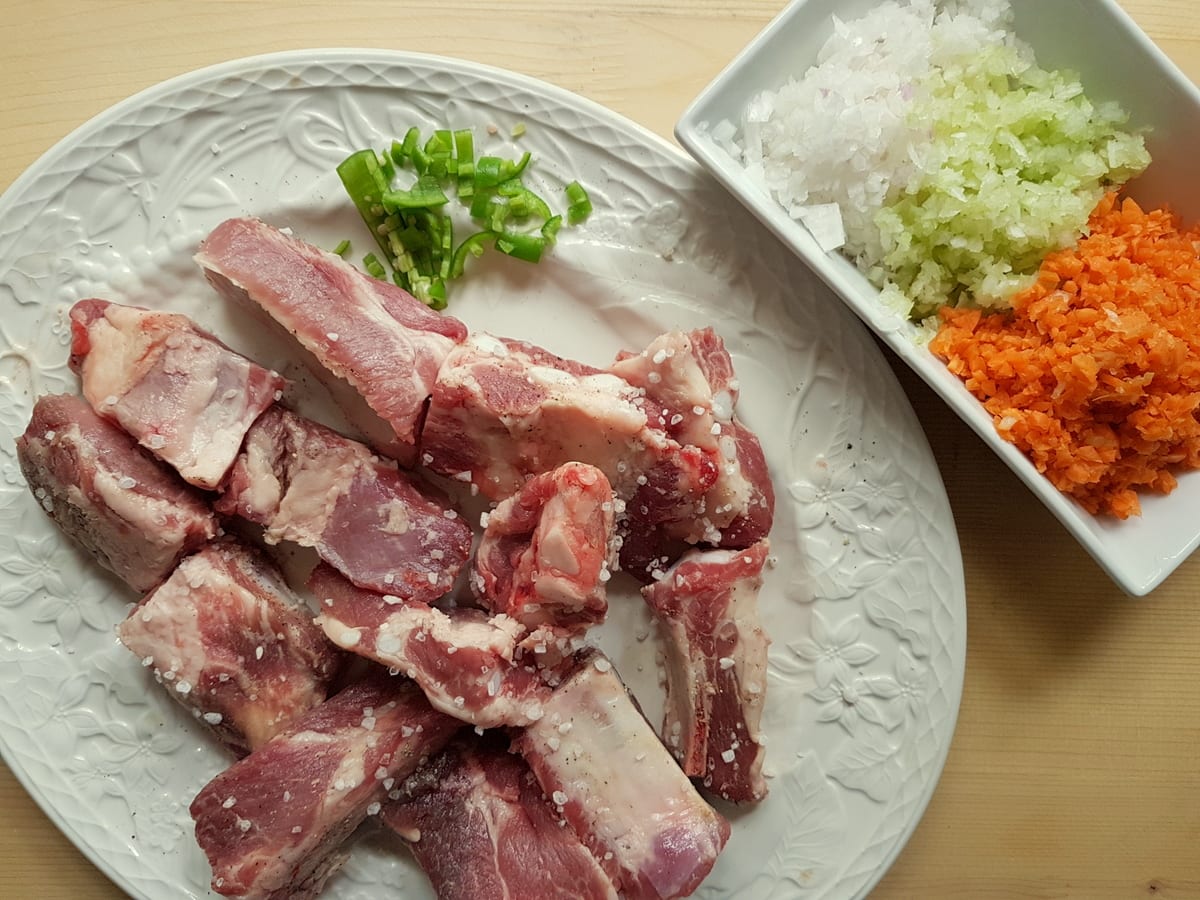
[1095, 374]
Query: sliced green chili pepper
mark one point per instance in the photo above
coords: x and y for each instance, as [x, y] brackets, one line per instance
[415, 235]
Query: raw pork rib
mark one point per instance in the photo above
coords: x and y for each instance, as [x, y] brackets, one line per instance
[465, 663]
[380, 338]
[383, 528]
[610, 776]
[183, 394]
[543, 558]
[273, 824]
[124, 507]
[659, 425]
[503, 411]
[691, 376]
[480, 827]
[229, 640]
[716, 667]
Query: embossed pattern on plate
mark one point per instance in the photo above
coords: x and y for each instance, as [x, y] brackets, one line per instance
[865, 604]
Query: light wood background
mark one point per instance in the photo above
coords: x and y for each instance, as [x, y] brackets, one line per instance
[1074, 770]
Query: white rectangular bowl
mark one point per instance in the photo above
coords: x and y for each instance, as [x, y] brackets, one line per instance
[1116, 61]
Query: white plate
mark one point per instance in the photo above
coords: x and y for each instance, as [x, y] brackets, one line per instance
[866, 605]
[1116, 61]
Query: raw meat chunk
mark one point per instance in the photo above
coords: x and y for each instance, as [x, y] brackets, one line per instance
[273, 825]
[716, 667]
[229, 640]
[543, 559]
[383, 528]
[466, 663]
[479, 825]
[124, 507]
[691, 376]
[380, 338]
[180, 392]
[503, 411]
[610, 776]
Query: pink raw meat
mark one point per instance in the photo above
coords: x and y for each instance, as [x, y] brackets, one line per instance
[380, 338]
[716, 667]
[385, 529]
[691, 376]
[124, 507]
[229, 640]
[468, 665]
[273, 825]
[610, 776]
[503, 411]
[179, 391]
[477, 822]
[543, 559]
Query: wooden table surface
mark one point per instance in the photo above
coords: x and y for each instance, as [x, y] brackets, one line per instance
[1075, 768]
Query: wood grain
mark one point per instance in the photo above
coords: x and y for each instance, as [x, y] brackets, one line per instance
[1074, 770]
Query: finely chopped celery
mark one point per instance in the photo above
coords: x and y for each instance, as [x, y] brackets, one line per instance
[1018, 159]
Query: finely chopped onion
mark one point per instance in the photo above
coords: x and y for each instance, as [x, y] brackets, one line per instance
[956, 163]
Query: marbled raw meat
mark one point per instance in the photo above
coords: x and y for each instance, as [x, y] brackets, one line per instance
[609, 775]
[273, 825]
[385, 529]
[179, 391]
[690, 375]
[544, 556]
[467, 664]
[133, 514]
[479, 825]
[503, 411]
[376, 336]
[228, 639]
[707, 605]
